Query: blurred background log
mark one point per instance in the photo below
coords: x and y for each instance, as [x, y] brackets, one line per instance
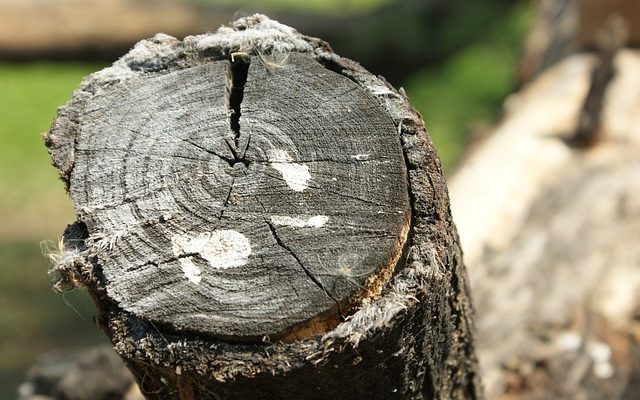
[95, 373]
[550, 238]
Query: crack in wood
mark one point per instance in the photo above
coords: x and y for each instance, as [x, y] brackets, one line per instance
[337, 193]
[334, 66]
[239, 156]
[229, 161]
[164, 260]
[352, 161]
[226, 200]
[310, 274]
[237, 74]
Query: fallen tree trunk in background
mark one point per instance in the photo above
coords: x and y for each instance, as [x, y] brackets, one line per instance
[64, 29]
[261, 218]
[550, 236]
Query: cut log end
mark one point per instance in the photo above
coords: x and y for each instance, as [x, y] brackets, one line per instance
[222, 201]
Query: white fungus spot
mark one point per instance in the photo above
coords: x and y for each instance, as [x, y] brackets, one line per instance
[312, 222]
[295, 174]
[191, 270]
[361, 157]
[221, 249]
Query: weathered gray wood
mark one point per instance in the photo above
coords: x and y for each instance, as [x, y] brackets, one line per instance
[244, 223]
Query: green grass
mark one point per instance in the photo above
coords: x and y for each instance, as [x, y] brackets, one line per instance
[31, 94]
[32, 198]
[33, 206]
[468, 89]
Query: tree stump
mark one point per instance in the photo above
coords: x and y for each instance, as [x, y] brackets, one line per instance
[258, 217]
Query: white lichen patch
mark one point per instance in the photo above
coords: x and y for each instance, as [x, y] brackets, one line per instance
[361, 157]
[312, 222]
[296, 175]
[191, 270]
[221, 249]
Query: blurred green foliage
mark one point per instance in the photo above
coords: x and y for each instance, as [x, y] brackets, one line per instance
[31, 94]
[33, 206]
[33, 201]
[468, 88]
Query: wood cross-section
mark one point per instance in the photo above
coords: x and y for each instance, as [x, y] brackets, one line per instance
[244, 200]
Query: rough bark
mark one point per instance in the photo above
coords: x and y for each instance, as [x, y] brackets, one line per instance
[261, 218]
[553, 258]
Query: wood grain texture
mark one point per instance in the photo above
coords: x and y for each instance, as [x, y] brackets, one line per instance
[262, 216]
